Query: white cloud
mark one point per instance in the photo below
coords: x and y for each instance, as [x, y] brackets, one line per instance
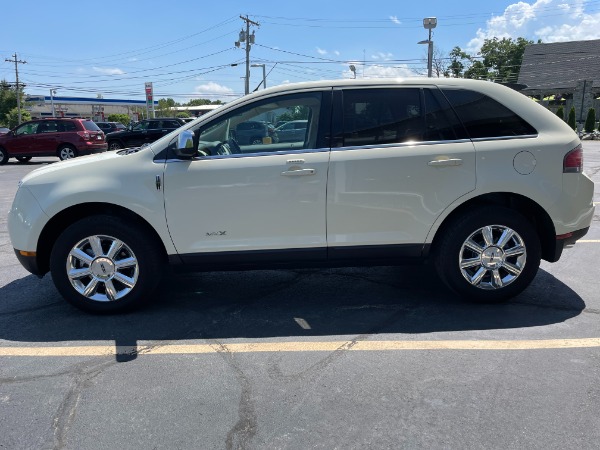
[378, 71]
[108, 71]
[320, 51]
[383, 56]
[336, 53]
[215, 91]
[548, 20]
[395, 20]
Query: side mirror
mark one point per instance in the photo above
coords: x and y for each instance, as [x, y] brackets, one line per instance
[185, 145]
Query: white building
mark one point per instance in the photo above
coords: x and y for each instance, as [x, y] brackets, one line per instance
[97, 109]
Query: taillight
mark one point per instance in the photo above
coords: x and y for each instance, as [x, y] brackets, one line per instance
[84, 134]
[573, 161]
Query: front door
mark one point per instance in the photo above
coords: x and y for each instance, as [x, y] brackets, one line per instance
[235, 203]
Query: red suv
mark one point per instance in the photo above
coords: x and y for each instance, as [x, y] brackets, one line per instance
[65, 138]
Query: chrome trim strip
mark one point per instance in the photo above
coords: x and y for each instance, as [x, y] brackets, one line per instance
[251, 155]
[505, 138]
[400, 144]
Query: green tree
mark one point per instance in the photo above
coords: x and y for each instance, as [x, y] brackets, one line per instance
[294, 113]
[8, 101]
[123, 118]
[198, 102]
[560, 112]
[571, 119]
[458, 61]
[202, 102]
[182, 114]
[165, 105]
[12, 117]
[498, 60]
[590, 121]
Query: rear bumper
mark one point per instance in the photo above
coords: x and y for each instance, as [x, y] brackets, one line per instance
[567, 240]
[93, 148]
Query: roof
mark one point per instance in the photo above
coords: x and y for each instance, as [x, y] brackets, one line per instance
[557, 67]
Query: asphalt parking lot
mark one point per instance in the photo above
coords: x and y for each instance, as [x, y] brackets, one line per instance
[379, 357]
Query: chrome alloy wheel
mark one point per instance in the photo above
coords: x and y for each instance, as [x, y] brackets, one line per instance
[102, 268]
[492, 257]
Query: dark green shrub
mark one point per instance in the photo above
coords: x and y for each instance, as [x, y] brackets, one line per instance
[571, 119]
[560, 112]
[590, 121]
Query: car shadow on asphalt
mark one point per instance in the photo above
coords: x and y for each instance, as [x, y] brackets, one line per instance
[280, 304]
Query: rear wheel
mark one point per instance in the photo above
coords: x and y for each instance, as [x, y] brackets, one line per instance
[490, 254]
[23, 159]
[3, 156]
[67, 152]
[100, 264]
[115, 145]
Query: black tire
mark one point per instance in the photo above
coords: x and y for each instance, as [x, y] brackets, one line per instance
[488, 269]
[65, 152]
[23, 159]
[3, 156]
[131, 274]
[115, 145]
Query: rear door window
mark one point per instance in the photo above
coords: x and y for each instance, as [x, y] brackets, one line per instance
[382, 116]
[484, 117]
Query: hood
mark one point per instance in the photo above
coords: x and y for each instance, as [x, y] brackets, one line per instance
[80, 164]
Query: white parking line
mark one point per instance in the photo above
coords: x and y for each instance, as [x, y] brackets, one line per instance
[294, 347]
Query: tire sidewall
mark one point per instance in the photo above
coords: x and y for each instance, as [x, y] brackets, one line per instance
[448, 256]
[140, 243]
[3, 156]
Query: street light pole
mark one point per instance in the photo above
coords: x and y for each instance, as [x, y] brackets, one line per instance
[429, 23]
[52, 94]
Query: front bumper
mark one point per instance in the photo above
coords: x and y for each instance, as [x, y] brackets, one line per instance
[29, 262]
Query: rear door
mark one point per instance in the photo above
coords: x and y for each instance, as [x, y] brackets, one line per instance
[46, 137]
[400, 158]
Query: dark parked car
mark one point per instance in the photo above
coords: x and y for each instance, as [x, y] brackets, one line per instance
[294, 131]
[111, 127]
[254, 132]
[65, 138]
[143, 132]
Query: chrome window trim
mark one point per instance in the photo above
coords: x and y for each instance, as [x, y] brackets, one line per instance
[401, 144]
[505, 138]
[250, 155]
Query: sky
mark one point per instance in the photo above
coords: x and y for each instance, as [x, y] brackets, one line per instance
[186, 49]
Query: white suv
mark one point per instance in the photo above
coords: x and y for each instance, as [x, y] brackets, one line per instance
[471, 174]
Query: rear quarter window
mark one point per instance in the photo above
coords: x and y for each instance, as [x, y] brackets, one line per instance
[484, 117]
[91, 126]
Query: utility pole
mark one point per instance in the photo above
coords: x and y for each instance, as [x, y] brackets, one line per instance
[17, 62]
[248, 39]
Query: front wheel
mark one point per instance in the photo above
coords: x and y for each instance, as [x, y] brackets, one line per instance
[102, 265]
[490, 254]
[67, 152]
[3, 156]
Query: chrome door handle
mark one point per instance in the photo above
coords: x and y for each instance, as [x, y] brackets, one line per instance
[298, 172]
[445, 162]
